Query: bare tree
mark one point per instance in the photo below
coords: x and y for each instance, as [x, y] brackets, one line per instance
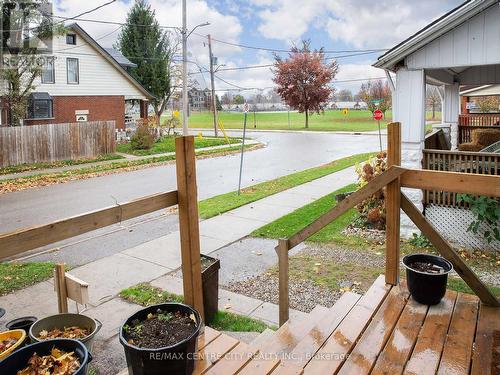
[433, 99]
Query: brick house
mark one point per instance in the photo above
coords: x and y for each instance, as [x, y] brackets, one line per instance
[82, 81]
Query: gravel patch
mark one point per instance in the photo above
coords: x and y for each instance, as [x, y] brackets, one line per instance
[304, 294]
[375, 235]
[345, 255]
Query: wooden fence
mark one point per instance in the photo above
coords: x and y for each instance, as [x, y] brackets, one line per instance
[485, 163]
[52, 142]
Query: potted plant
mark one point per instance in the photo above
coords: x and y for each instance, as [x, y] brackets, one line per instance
[210, 284]
[427, 276]
[161, 339]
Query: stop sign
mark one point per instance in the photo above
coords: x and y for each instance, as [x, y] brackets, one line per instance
[378, 115]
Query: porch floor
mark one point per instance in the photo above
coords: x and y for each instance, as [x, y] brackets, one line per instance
[382, 332]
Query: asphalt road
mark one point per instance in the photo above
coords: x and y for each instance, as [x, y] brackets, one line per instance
[285, 153]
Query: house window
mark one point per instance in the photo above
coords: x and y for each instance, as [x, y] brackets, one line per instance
[40, 106]
[72, 70]
[71, 39]
[48, 73]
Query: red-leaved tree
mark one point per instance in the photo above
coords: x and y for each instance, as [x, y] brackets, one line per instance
[302, 79]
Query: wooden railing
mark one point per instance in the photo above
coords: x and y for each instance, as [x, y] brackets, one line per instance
[486, 163]
[479, 119]
[395, 178]
[19, 241]
[469, 122]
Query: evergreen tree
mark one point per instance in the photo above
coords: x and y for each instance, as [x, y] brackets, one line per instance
[144, 43]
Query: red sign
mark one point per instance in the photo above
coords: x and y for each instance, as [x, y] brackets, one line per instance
[378, 115]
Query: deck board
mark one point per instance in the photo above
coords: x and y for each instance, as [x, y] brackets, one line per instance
[488, 324]
[382, 332]
[394, 356]
[284, 341]
[365, 353]
[213, 352]
[427, 352]
[457, 352]
[308, 346]
[331, 356]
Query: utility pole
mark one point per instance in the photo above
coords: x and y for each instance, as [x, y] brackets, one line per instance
[184, 72]
[214, 98]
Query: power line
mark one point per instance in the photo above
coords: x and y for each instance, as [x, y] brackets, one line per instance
[114, 23]
[288, 50]
[91, 10]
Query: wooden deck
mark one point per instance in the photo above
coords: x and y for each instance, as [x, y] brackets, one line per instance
[382, 332]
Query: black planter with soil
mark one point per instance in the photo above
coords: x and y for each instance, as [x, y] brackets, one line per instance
[427, 276]
[210, 284]
[161, 339]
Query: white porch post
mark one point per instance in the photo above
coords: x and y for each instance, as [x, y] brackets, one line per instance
[451, 110]
[409, 105]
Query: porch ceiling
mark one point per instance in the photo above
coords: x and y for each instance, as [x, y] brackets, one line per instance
[464, 75]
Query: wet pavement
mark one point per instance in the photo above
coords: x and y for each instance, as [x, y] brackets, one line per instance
[285, 153]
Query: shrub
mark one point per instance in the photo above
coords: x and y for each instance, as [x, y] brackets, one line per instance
[143, 138]
[372, 210]
[487, 211]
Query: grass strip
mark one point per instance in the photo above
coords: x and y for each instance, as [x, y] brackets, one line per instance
[290, 224]
[15, 276]
[167, 144]
[45, 179]
[56, 164]
[145, 294]
[225, 202]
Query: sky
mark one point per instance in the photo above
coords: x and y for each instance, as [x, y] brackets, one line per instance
[336, 25]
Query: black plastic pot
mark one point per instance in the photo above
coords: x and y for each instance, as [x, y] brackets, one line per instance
[427, 288]
[22, 323]
[175, 359]
[210, 285]
[19, 359]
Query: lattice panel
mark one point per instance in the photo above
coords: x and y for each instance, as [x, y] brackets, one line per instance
[452, 224]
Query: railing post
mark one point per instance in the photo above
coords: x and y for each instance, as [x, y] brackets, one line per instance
[393, 206]
[60, 286]
[188, 222]
[282, 251]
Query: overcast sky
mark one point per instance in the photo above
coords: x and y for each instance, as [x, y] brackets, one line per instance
[336, 25]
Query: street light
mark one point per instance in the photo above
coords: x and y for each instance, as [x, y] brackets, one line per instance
[185, 35]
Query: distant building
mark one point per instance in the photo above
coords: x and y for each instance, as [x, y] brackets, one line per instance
[199, 100]
[354, 105]
[82, 81]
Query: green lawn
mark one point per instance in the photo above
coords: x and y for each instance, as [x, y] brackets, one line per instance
[15, 276]
[290, 224]
[357, 121]
[221, 203]
[167, 144]
[56, 164]
[145, 294]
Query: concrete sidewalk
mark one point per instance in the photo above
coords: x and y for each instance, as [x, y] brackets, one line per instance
[126, 157]
[156, 261]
